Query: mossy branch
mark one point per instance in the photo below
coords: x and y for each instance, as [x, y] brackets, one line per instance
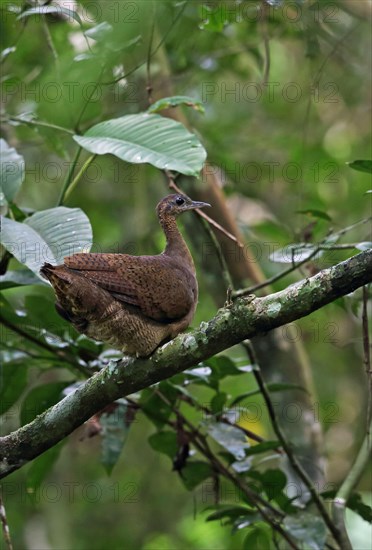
[244, 318]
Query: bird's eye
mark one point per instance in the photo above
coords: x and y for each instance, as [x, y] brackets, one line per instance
[179, 201]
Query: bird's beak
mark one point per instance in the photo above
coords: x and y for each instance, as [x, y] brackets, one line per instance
[196, 204]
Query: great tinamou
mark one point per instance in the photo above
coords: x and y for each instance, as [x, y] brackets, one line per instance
[133, 303]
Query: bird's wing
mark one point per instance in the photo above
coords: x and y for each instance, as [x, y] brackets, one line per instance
[160, 288]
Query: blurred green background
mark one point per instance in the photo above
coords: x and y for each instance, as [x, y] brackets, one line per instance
[280, 126]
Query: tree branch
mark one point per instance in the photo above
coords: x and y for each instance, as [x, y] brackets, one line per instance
[245, 318]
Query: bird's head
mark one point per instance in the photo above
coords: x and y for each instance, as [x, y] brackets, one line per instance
[173, 205]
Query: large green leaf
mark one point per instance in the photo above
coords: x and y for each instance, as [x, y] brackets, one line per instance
[100, 32]
[317, 214]
[229, 437]
[194, 473]
[361, 166]
[40, 398]
[153, 405]
[164, 442]
[263, 447]
[366, 245]
[273, 482]
[47, 236]
[147, 138]
[213, 18]
[12, 172]
[307, 528]
[222, 366]
[40, 468]
[21, 277]
[258, 537]
[218, 402]
[7, 51]
[294, 253]
[40, 307]
[115, 427]
[104, 34]
[52, 10]
[230, 513]
[13, 378]
[354, 503]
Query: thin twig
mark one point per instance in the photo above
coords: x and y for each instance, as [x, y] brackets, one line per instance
[149, 54]
[172, 185]
[225, 270]
[62, 355]
[171, 27]
[75, 181]
[263, 507]
[346, 246]
[201, 439]
[294, 266]
[342, 39]
[287, 447]
[69, 175]
[201, 443]
[219, 227]
[223, 419]
[344, 230]
[94, 89]
[5, 526]
[274, 278]
[124, 76]
[29, 353]
[4, 262]
[161, 42]
[265, 36]
[51, 46]
[39, 123]
[315, 83]
[367, 356]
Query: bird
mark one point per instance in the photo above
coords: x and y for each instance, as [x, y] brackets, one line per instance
[133, 303]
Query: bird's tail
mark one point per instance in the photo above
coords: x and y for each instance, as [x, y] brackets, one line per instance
[60, 277]
[76, 295]
[46, 270]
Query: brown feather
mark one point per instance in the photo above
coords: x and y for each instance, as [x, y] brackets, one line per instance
[157, 285]
[131, 302]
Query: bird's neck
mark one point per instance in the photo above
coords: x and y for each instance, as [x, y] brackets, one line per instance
[175, 244]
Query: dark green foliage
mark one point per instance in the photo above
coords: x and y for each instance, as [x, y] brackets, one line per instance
[362, 166]
[115, 425]
[355, 503]
[284, 162]
[13, 378]
[39, 399]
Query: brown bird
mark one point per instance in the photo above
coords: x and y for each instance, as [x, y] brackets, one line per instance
[133, 303]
